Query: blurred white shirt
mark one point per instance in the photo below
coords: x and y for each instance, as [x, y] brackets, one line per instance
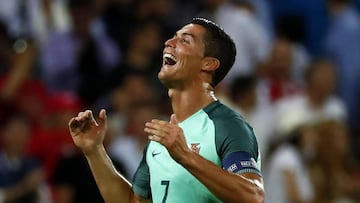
[286, 158]
[27, 18]
[250, 38]
[297, 110]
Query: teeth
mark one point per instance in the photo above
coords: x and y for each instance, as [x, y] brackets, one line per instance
[170, 57]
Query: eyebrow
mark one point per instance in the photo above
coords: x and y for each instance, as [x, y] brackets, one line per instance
[187, 34]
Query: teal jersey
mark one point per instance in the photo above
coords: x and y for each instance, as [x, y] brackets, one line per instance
[217, 133]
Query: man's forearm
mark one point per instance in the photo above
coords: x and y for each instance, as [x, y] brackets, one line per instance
[113, 187]
[226, 186]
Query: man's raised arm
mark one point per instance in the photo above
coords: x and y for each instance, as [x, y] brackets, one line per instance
[88, 135]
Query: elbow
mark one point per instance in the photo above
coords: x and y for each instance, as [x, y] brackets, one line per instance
[259, 195]
[254, 190]
[255, 198]
[256, 194]
[252, 194]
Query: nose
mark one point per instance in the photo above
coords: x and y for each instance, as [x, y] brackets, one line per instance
[170, 42]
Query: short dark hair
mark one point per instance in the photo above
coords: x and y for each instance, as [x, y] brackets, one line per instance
[218, 44]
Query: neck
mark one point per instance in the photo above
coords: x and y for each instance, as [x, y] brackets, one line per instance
[315, 99]
[188, 101]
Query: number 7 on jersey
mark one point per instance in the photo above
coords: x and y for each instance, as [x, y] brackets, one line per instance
[167, 184]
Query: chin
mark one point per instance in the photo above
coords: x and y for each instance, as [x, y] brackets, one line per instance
[166, 81]
[168, 77]
[162, 78]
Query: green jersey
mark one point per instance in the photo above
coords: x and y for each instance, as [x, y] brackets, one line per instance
[218, 134]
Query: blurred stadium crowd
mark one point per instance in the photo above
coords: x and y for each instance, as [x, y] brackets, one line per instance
[296, 79]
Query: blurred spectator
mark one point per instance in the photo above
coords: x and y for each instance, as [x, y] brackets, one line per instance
[357, 4]
[184, 10]
[238, 18]
[17, 85]
[31, 100]
[161, 10]
[292, 28]
[118, 17]
[33, 19]
[6, 51]
[19, 70]
[287, 174]
[122, 17]
[209, 8]
[16, 62]
[83, 56]
[245, 100]
[335, 173]
[342, 44]
[6, 54]
[15, 66]
[263, 13]
[21, 176]
[153, 9]
[144, 51]
[13, 14]
[45, 16]
[73, 181]
[52, 141]
[129, 147]
[275, 74]
[318, 100]
[311, 13]
[134, 88]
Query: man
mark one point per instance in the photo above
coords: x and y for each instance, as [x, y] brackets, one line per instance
[206, 153]
[21, 176]
[341, 44]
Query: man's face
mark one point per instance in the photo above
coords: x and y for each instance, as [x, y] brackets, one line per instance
[182, 56]
[323, 80]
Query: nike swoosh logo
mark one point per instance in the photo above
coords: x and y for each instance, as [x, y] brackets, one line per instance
[155, 153]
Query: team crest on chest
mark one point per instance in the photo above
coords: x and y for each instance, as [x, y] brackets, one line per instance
[195, 147]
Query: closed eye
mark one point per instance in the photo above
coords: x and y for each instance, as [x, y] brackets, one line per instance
[186, 41]
[185, 37]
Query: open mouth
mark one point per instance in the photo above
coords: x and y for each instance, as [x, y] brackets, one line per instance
[169, 59]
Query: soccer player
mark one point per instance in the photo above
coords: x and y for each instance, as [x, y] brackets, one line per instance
[205, 153]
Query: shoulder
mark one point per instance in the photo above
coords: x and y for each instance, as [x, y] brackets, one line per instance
[222, 113]
[227, 120]
[232, 132]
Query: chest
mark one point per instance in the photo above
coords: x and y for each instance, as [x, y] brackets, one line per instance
[169, 177]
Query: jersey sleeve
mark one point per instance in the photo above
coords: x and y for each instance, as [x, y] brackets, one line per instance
[237, 146]
[141, 179]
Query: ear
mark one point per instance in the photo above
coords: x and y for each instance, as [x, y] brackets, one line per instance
[210, 64]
